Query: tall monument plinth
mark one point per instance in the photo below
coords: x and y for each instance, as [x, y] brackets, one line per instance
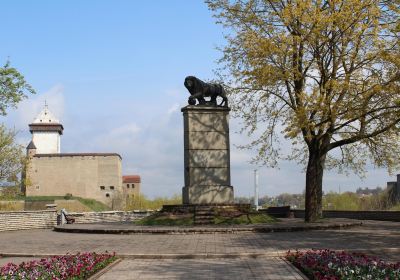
[207, 155]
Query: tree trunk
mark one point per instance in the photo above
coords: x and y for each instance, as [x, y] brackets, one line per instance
[315, 170]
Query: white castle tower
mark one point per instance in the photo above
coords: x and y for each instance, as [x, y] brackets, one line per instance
[46, 133]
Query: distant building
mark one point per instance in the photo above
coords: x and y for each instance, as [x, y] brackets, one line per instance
[131, 184]
[89, 175]
[46, 133]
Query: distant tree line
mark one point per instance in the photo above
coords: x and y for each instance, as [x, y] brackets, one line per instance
[363, 199]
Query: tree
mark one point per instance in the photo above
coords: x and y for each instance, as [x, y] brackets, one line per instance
[13, 88]
[325, 74]
[11, 156]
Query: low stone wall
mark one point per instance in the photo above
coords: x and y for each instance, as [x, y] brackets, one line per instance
[359, 215]
[17, 220]
[108, 216]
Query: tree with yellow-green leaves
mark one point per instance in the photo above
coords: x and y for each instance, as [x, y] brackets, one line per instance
[13, 88]
[11, 156]
[325, 74]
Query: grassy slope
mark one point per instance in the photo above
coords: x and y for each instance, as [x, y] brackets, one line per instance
[159, 219]
[93, 204]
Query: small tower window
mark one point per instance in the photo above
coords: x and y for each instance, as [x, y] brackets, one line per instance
[107, 195]
[111, 187]
[127, 186]
[133, 186]
[102, 188]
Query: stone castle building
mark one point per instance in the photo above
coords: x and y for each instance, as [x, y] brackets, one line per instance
[88, 175]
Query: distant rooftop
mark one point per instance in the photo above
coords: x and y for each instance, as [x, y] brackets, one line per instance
[131, 179]
[31, 146]
[46, 127]
[45, 116]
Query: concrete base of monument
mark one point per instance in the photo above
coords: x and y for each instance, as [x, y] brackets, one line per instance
[186, 208]
[207, 195]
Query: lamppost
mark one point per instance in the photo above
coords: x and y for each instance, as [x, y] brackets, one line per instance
[256, 189]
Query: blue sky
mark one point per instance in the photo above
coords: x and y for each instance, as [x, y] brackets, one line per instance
[113, 72]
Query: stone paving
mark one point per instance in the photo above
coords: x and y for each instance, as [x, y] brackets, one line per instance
[260, 268]
[374, 237]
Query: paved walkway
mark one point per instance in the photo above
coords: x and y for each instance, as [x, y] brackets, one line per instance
[260, 268]
[374, 237]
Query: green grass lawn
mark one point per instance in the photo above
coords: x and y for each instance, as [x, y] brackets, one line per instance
[163, 219]
[93, 204]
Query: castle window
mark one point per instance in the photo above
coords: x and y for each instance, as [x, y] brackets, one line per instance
[102, 188]
[133, 186]
[111, 187]
[37, 187]
[127, 185]
[107, 195]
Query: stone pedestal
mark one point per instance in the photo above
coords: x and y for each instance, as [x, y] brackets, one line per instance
[207, 155]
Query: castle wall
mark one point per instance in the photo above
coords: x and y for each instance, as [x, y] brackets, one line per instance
[46, 142]
[88, 176]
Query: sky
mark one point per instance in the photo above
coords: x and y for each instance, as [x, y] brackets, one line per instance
[112, 72]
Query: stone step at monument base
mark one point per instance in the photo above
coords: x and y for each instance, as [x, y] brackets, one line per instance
[204, 215]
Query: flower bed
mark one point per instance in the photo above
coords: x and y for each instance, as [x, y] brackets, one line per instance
[78, 266]
[331, 265]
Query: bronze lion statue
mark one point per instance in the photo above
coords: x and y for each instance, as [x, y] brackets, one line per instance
[199, 90]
